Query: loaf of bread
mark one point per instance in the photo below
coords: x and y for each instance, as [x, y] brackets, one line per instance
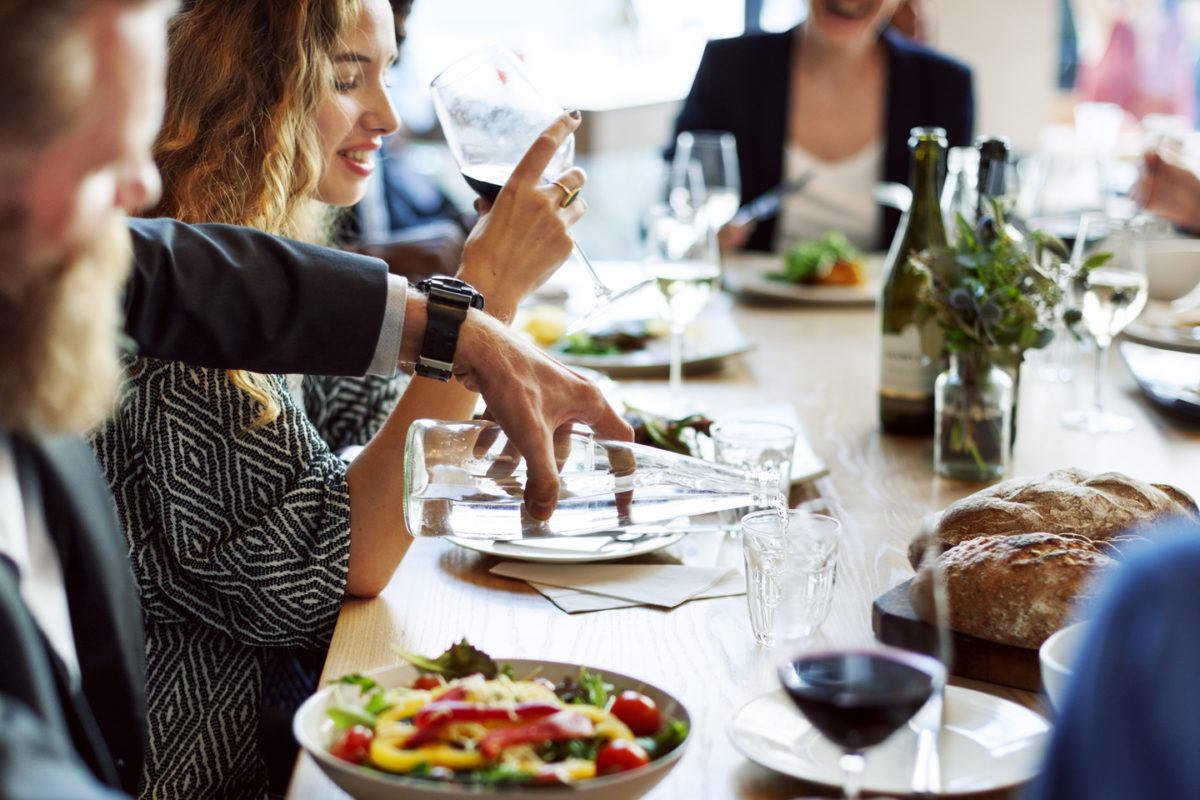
[1103, 507]
[1015, 589]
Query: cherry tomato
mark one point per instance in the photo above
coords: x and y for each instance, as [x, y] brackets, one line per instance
[620, 755]
[427, 682]
[637, 711]
[354, 744]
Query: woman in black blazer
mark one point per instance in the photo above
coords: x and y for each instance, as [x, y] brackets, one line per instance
[833, 85]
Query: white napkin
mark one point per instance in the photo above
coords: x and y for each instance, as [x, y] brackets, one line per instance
[665, 585]
[574, 601]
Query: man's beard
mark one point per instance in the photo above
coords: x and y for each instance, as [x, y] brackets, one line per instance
[58, 333]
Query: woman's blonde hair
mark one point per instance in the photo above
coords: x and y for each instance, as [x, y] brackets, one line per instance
[239, 144]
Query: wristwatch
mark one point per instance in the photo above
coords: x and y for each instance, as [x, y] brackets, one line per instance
[447, 306]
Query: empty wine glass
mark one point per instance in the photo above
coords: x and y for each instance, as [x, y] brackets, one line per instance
[1109, 287]
[491, 113]
[716, 154]
[857, 692]
[681, 260]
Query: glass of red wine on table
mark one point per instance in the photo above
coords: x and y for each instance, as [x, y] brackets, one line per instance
[857, 692]
[491, 112]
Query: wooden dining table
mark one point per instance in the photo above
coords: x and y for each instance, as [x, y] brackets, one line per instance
[822, 360]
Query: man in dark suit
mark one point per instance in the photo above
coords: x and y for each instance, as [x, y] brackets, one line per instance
[79, 108]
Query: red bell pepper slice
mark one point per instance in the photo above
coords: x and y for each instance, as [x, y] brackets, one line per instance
[562, 725]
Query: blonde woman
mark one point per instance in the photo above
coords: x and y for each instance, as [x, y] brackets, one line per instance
[245, 529]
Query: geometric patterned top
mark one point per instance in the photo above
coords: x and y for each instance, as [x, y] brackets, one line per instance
[239, 542]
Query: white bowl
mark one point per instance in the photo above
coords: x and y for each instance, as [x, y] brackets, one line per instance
[1057, 656]
[1172, 267]
[363, 783]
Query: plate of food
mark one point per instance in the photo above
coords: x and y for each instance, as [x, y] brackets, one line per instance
[1160, 326]
[1168, 377]
[640, 348]
[464, 724]
[987, 743]
[826, 271]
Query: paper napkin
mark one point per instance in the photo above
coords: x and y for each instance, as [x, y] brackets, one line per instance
[574, 601]
[665, 585]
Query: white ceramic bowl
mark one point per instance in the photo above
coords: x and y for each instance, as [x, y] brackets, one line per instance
[1172, 267]
[1057, 656]
[363, 783]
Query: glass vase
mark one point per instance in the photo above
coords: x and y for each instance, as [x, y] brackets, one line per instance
[973, 406]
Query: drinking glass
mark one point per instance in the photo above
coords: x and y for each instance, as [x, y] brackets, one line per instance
[681, 260]
[754, 444]
[857, 691]
[490, 113]
[716, 154]
[1109, 287]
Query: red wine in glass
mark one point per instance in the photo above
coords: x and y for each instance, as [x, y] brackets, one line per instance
[858, 698]
[486, 179]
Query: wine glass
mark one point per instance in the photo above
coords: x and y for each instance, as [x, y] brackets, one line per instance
[857, 691]
[491, 113]
[716, 154]
[681, 260]
[1109, 287]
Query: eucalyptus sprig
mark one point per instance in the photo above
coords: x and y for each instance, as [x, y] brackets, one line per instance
[988, 290]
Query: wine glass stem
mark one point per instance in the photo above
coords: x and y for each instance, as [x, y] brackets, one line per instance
[598, 286]
[676, 375]
[1098, 383]
[852, 764]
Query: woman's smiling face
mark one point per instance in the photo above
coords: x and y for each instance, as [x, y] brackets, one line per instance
[353, 119]
[847, 21]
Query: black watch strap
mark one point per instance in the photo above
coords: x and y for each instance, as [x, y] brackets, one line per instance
[449, 299]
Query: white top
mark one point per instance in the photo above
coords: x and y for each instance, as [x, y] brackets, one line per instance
[840, 197]
[26, 542]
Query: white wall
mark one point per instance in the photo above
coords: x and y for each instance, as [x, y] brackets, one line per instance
[1012, 46]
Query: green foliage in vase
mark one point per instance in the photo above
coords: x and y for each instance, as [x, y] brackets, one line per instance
[990, 290]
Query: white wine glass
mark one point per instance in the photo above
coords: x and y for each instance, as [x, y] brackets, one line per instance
[491, 112]
[681, 260]
[857, 691]
[715, 152]
[1110, 289]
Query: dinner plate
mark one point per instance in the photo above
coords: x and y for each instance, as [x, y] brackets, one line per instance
[709, 340]
[987, 743]
[1155, 328]
[1168, 377]
[313, 730]
[604, 546]
[746, 273]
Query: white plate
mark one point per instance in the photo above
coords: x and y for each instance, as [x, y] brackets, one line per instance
[1156, 329]
[605, 546]
[710, 339]
[988, 743]
[308, 726]
[746, 273]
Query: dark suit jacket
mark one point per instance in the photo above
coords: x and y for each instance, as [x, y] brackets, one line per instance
[229, 297]
[103, 725]
[742, 85]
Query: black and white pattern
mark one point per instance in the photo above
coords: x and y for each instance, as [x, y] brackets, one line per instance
[239, 540]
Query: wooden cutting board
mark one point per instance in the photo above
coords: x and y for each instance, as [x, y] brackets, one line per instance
[895, 622]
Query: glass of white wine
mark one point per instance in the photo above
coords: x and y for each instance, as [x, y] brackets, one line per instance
[681, 260]
[715, 153]
[1109, 287]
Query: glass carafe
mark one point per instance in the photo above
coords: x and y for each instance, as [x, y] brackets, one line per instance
[463, 479]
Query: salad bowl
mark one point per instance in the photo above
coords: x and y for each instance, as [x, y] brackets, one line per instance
[314, 731]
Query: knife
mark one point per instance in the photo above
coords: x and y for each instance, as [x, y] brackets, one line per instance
[927, 768]
[767, 204]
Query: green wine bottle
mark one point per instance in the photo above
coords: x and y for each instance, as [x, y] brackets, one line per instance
[906, 373]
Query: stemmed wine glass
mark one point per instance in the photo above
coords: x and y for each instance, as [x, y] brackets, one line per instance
[1109, 287]
[681, 259]
[490, 113]
[857, 691]
[715, 152]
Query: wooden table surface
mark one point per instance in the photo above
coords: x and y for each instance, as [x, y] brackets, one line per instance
[822, 360]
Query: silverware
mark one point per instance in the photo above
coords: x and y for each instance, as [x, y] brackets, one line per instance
[927, 768]
[767, 203]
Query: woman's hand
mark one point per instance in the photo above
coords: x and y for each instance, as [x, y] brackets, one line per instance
[524, 236]
[1169, 189]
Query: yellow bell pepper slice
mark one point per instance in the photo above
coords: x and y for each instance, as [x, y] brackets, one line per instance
[388, 753]
[607, 724]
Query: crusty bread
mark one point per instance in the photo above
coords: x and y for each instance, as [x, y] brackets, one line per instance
[1015, 589]
[1101, 507]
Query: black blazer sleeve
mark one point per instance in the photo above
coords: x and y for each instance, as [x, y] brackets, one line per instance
[229, 297]
[36, 763]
